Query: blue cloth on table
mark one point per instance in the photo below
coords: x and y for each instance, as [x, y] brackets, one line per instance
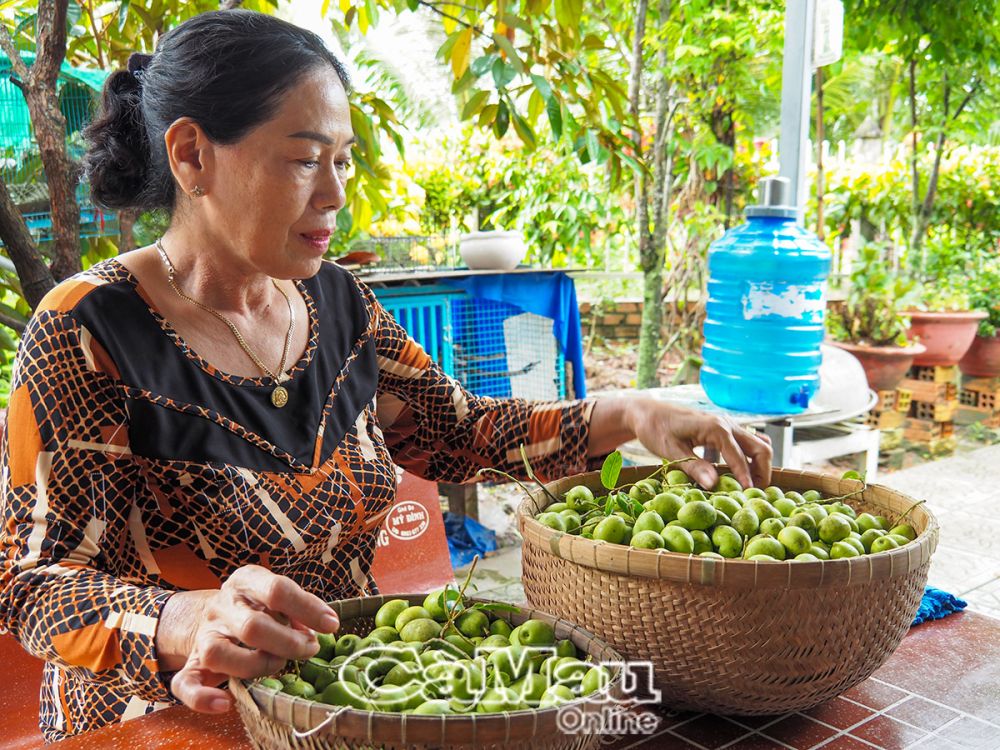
[467, 538]
[937, 604]
[550, 294]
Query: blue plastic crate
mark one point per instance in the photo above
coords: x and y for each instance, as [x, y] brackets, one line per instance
[425, 313]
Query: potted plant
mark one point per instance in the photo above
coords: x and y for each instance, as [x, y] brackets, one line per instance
[944, 322]
[983, 358]
[870, 323]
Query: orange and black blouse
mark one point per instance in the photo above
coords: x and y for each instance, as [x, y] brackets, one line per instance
[132, 468]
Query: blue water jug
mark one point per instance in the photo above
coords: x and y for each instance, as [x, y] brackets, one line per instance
[766, 304]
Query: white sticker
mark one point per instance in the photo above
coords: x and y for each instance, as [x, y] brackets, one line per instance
[765, 298]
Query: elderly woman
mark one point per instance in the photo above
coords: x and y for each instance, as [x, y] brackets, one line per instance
[202, 433]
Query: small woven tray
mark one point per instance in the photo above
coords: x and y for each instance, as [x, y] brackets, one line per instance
[735, 636]
[271, 719]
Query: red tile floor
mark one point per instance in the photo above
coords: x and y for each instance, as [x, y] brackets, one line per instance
[939, 691]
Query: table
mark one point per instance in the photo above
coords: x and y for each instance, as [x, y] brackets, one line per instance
[939, 691]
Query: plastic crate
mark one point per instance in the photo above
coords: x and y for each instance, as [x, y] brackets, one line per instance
[425, 313]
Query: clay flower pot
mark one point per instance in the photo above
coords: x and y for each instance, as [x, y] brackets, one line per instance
[946, 335]
[983, 358]
[884, 366]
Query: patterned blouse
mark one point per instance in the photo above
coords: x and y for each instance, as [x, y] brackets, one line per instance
[132, 468]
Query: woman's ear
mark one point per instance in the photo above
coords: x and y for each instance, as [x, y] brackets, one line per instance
[191, 156]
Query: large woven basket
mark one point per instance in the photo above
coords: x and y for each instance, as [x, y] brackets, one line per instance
[735, 636]
[271, 719]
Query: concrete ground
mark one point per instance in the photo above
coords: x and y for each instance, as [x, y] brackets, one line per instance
[963, 492]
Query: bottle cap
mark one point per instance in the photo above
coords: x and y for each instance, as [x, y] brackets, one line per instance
[773, 193]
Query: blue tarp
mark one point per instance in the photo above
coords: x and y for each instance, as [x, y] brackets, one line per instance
[467, 538]
[937, 604]
[551, 294]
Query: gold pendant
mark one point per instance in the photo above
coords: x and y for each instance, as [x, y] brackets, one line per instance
[279, 396]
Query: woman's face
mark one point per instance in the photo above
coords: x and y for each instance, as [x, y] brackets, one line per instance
[275, 193]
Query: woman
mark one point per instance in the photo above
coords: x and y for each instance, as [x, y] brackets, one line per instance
[202, 433]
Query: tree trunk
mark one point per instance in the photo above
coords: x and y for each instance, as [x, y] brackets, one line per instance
[34, 275]
[50, 132]
[126, 222]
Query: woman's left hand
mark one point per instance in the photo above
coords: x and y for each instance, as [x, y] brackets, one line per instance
[673, 432]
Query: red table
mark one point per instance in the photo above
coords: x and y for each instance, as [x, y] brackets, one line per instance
[939, 691]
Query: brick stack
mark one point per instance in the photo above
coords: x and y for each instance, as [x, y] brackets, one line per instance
[889, 416]
[616, 321]
[982, 397]
[933, 394]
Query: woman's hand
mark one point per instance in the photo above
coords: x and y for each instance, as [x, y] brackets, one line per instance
[248, 628]
[673, 432]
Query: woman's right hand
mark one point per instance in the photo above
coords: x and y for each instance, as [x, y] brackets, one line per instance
[248, 628]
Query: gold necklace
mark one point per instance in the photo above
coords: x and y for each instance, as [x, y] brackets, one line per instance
[279, 396]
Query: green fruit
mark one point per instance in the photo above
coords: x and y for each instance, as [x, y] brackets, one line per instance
[676, 476]
[803, 520]
[565, 648]
[763, 508]
[555, 696]
[556, 508]
[721, 519]
[573, 521]
[462, 643]
[746, 522]
[499, 699]
[727, 483]
[642, 491]
[347, 644]
[537, 633]
[797, 541]
[806, 557]
[331, 675]
[763, 558]
[870, 536]
[883, 544]
[553, 521]
[646, 540]
[820, 552]
[678, 539]
[697, 515]
[515, 636]
[843, 549]
[420, 630]
[327, 645]
[611, 529]
[500, 627]
[868, 522]
[465, 680]
[850, 521]
[311, 669]
[754, 492]
[666, 504]
[739, 497]
[648, 521]
[795, 497]
[833, 528]
[694, 495]
[713, 555]
[300, 688]
[409, 614]
[473, 623]
[899, 539]
[883, 522]
[812, 496]
[904, 530]
[530, 688]
[272, 684]
[385, 634]
[494, 641]
[402, 674]
[702, 542]
[772, 526]
[765, 545]
[854, 541]
[433, 708]
[818, 513]
[846, 509]
[576, 495]
[726, 504]
[596, 679]
[727, 541]
[773, 493]
[512, 661]
[785, 506]
[395, 698]
[569, 671]
[388, 612]
[439, 611]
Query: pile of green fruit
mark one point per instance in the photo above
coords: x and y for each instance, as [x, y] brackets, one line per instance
[445, 657]
[669, 511]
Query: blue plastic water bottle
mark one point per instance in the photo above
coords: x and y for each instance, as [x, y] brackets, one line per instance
[766, 305]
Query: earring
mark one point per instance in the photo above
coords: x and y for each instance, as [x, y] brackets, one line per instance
[197, 191]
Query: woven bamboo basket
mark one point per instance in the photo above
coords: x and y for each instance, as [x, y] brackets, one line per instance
[735, 636]
[272, 719]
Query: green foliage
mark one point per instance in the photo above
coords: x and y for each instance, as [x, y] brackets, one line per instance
[984, 295]
[872, 314]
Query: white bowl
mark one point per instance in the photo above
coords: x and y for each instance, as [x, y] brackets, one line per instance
[492, 251]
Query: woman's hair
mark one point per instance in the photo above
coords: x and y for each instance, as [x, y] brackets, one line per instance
[227, 70]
